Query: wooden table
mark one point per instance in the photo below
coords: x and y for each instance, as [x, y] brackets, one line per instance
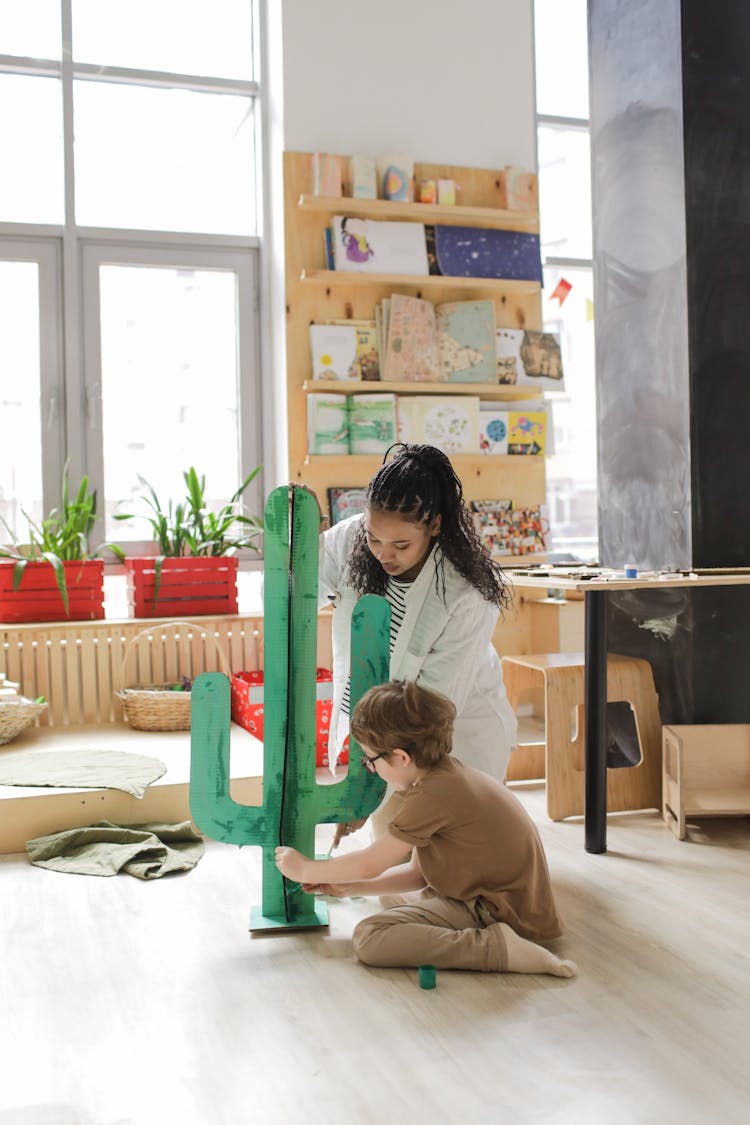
[596, 584]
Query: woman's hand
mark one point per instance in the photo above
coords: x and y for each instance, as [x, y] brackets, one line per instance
[324, 521]
[290, 863]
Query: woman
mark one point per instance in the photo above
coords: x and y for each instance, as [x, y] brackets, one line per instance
[417, 546]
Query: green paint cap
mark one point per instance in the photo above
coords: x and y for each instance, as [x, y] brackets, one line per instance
[427, 976]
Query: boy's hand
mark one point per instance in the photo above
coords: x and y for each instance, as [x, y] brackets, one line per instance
[335, 890]
[290, 863]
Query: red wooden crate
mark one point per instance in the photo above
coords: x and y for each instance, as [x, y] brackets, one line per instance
[188, 587]
[38, 598]
[247, 709]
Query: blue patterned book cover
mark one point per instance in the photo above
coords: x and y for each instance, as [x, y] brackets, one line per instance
[474, 252]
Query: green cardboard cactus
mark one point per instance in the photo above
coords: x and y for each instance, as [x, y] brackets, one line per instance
[293, 802]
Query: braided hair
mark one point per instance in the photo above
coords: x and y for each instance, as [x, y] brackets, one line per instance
[419, 483]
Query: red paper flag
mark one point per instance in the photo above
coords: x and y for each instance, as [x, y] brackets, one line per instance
[562, 289]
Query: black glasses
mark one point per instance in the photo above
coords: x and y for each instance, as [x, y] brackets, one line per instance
[369, 763]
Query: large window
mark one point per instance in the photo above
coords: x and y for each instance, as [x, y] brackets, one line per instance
[565, 213]
[129, 217]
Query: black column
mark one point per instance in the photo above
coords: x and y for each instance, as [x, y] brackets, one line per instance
[670, 110]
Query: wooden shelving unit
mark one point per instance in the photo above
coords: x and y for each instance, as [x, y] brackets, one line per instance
[315, 294]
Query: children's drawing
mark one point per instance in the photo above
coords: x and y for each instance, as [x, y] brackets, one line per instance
[356, 246]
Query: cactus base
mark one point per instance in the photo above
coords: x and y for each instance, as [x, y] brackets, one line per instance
[318, 916]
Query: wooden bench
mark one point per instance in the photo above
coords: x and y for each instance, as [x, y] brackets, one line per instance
[78, 667]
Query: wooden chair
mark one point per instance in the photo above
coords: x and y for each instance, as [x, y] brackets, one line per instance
[551, 744]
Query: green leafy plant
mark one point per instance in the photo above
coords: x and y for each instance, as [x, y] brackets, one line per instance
[62, 537]
[191, 528]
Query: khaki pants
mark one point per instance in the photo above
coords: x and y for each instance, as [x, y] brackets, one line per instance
[428, 930]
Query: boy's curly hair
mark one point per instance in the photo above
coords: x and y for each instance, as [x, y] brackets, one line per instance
[419, 483]
[403, 714]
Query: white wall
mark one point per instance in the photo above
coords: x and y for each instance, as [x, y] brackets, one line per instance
[445, 81]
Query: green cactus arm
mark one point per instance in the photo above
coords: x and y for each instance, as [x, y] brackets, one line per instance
[360, 792]
[211, 806]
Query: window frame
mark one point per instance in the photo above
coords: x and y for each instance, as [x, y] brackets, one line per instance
[70, 359]
[46, 253]
[558, 262]
[178, 255]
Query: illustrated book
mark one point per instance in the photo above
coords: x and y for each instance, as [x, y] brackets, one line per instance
[493, 431]
[505, 530]
[466, 341]
[334, 351]
[345, 502]
[327, 424]
[411, 341]
[450, 422]
[373, 246]
[526, 358]
[372, 422]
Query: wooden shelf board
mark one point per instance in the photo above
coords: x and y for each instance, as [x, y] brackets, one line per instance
[729, 801]
[465, 460]
[498, 391]
[458, 215]
[419, 281]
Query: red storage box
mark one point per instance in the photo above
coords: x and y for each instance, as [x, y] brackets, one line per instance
[247, 709]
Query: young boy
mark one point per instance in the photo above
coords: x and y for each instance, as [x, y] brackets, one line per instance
[485, 897]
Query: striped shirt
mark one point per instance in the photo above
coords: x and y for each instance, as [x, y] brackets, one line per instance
[395, 595]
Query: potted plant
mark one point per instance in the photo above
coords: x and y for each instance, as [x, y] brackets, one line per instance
[55, 576]
[195, 570]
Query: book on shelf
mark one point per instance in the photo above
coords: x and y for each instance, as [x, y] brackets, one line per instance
[367, 358]
[344, 502]
[377, 246]
[410, 340]
[327, 174]
[362, 181]
[395, 176]
[334, 351]
[493, 431]
[374, 246]
[466, 341]
[327, 424]
[452, 342]
[328, 249]
[488, 253]
[527, 358]
[350, 424]
[372, 423]
[526, 407]
[518, 189]
[450, 422]
[527, 432]
[506, 530]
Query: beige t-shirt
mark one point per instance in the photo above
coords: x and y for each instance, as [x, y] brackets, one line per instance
[475, 841]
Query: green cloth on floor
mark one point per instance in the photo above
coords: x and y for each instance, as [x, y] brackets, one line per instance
[81, 769]
[147, 851]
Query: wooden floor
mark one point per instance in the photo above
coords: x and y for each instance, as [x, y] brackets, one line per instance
[130, 1003]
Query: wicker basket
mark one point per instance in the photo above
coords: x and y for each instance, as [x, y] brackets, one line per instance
[16, 716]
[157, 706]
